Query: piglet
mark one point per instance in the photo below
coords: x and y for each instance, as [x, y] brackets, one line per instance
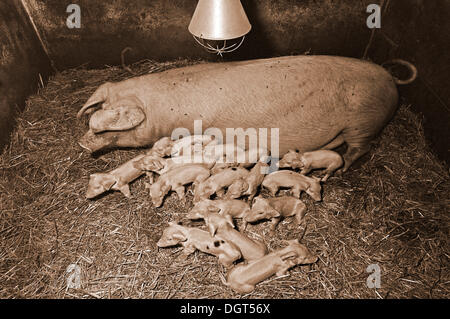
[297, 182]
[117, 179]
[250, 184]
[162, 147]
[217, 183]
[159, 165]
[233, 207]
[329, 160]
[244, 277]
[276, 208]
[175, 180]
[193, 238]
[223, 153]
[224, 228]
[229, 208]
[167, 147]
[240, 158]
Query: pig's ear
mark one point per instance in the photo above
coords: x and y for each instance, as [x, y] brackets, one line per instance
[275, 213]
[116, 118]
[212, 229]
[99, 96]
[179, 237]
[229, 220]
[107, 183]
[297, 162]
[213, 209]
[288, 255]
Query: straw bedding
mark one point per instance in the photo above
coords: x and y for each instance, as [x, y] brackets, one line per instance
[390, 209]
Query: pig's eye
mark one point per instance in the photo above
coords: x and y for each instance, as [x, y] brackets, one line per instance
[217, 243]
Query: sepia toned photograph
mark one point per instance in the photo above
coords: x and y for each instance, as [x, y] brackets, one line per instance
[230, 151]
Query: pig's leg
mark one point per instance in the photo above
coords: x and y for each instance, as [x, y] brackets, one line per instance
[327, 175]
[273, 189]
[125, 189]
[251, 192]
[273, 225]
[299, 212]
[189, 249]
[225, 261]
[220, 193]
[305, 170]
[151, 178]
[328, 172]
[283, 270]
[296, 191]
[251, 196]
[179, 189]
[357, 138]
[353, 153]
[337, 141]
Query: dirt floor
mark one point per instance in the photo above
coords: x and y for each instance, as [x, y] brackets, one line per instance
[391, 209]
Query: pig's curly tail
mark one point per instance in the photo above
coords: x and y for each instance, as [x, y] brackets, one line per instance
[412, 70]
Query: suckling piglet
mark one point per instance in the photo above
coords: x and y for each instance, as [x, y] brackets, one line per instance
[232, 207]
[276, 208]
[162, 147]
[117, 179]
[216, 183]
[167, 147]
[159, 165]
[175, 180]
[297, 182]
[240, 158]
[250, 184]
[224, 228]
[244, 277]
[193, 238]
[327, 159]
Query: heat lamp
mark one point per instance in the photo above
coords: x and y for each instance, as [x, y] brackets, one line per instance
[219, 21]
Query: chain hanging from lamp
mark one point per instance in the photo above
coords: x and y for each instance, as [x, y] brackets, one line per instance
[219, 20]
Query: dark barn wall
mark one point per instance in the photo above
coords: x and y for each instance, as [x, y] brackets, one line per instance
[419, 31]
[22, 59]
[157, 29]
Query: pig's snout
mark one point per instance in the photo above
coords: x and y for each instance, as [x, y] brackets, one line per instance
[316, 197]
[163, 242]
[254, 215]
[95, 142]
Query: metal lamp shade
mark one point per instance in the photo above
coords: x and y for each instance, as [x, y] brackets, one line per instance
[219, 20]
